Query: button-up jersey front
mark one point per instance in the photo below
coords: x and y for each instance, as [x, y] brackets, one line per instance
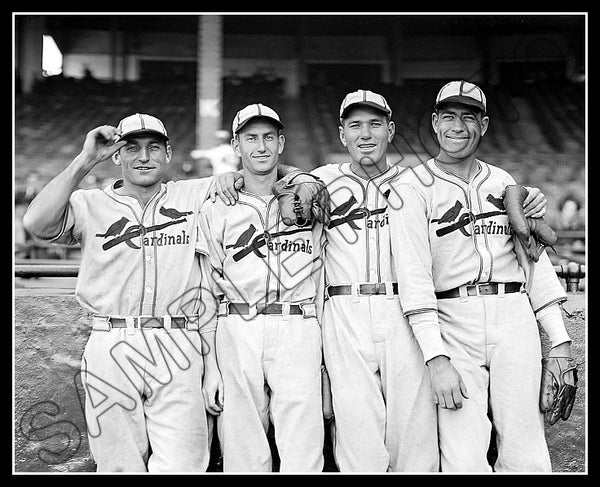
[257, 257]
[458, 233]
[358, 249]
[137, 260]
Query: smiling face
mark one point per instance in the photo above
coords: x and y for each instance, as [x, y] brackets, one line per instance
[143, 160]
[259, 144]
[366, 133]
[459, 129]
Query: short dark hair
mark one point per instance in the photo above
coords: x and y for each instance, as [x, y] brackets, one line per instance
[444, 105]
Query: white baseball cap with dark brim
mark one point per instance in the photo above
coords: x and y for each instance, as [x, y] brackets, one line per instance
[463, 92]
[365, 98]
[256, 110]
[141, 124]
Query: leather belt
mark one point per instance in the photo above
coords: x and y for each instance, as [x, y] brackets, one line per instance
[307, 310]
[368, 289]
[144, 321]
[484, 289]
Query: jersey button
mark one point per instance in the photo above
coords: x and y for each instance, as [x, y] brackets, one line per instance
[148, 289]
[148, 258]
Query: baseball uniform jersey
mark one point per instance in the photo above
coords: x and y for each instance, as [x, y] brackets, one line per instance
[384, 415]
[144, 404]
[270, 360]
[447, 233]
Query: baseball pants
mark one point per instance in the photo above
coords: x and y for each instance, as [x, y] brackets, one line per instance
[385, 417]
[271, 369]
[143, 404]
[494, 344]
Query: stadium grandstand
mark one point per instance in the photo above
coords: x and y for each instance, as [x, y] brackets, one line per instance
[531, 68]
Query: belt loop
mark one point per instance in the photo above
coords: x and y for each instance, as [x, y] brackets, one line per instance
[501, 290]
[167, 322]
[463, 294]
[101, 323]
[192, 322]
[224, 308]
[129, 320]
[354, 289]
[252, 311]
[327, 296]
[309, 310]
[389, 290]
[285, 311]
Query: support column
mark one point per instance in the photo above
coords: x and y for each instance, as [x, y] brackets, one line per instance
[29, 56]
[209, 88]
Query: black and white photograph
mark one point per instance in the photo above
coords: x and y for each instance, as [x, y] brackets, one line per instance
[299, 243]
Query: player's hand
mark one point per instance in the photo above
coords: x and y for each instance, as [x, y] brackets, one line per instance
[212, 390]
[226, 187]
[100, 144]
[446, 383]
[535, 203]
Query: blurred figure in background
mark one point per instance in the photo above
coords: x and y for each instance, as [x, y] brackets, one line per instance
[222, 156]
[571, 215]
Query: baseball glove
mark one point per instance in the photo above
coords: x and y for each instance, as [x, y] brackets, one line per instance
[303, 198]
[531, 235]
[559, 384]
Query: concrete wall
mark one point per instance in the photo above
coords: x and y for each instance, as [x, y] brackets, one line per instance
[50, 332]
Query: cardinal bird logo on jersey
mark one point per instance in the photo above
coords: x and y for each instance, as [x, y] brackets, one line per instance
[356, 214]
[456, 220]
[120, 234]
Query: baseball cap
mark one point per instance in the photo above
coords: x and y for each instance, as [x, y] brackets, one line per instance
[365, 97]
[461, 92]
[253, 111]
[141, 123]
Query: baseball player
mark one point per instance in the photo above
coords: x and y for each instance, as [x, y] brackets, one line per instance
[473, 308]
[139, 279]
[268, 337]
[384, 419]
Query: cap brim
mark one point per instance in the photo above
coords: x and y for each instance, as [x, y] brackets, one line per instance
[463, 100]
[366, 103]
[266, 117]
[143, 132]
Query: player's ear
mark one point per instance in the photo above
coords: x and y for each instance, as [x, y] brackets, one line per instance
[342, 135]
[434, 121]
[116, 157]
[281, 143]
[169, 153]
[485, 122]
[391, 131]
[235, 144]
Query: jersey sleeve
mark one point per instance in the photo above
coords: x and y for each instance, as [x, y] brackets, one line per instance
[411, 250]
[73, 220]
[207, 241]
[210, 296]
[543, 285]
